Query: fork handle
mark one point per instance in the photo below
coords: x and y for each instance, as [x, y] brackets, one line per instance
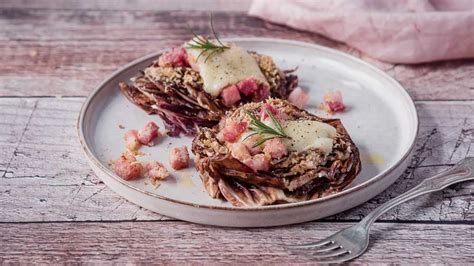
[462, 171]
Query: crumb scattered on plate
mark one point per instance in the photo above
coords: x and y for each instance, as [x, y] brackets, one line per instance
[137, 153]
[375, 158]
[185, 181]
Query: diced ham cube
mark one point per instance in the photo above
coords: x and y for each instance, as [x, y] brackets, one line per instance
[239, 151]
[276, 148]
[156, 171]
[333, 102]
[131, 140]
[230, 95]
[226, 135]
[298, 97]
[239, 127]
[176, 57]
[179, 158]
[148, 134]
[248, 87]
[270, 108]
[232, 131]
[274, 111]
[263, 92]
[259, 162]
[127, 167]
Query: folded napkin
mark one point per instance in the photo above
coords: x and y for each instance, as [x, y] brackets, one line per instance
[396, 31]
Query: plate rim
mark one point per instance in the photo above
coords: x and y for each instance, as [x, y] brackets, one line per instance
[93, 159]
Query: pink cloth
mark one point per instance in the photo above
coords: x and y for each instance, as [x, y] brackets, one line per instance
[396, 31]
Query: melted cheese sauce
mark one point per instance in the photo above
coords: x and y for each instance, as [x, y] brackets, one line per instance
[304, 134]
[225, 68]
[307, 134]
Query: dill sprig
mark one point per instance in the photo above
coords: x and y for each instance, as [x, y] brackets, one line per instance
[204, 44]
[264, 131]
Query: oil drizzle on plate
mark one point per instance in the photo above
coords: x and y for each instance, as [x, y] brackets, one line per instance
[375, 158]
[185, 181]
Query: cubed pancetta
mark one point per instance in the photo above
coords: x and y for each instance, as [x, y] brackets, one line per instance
[131, 140]
[333, 102]
[156, 171]
[148, 133]
[179, 157]
[298, 97]
[276, 148]
[127, 167]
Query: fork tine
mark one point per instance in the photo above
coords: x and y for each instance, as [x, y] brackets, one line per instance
[326, 249]
[331, 255]
[321, 243]
[317, 248]
[339, 259]
[302, 252]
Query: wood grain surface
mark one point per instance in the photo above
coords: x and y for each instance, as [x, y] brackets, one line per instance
[178, 242]
[127, 5]
[53, 208]
[87, 45]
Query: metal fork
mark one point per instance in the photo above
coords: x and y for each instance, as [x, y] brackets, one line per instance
[353, 241]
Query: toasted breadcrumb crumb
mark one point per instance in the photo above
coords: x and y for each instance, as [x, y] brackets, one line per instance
[137, 153]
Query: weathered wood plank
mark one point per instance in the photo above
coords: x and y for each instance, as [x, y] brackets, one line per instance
[68, 52]
[44, 175]
[126, 5]
[177, 242]
[44, 170]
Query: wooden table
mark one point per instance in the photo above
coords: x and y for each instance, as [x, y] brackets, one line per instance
[54, 209]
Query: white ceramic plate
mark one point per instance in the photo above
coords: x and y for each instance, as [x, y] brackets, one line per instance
[381, 119]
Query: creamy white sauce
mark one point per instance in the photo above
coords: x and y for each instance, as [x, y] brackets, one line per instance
[304, 134]
[225, 68]
[307, 134]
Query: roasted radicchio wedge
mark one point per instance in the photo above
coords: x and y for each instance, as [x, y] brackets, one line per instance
[242, 160]
[189, 88]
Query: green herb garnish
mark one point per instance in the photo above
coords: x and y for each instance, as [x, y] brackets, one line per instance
[266, 132]
[204, 44]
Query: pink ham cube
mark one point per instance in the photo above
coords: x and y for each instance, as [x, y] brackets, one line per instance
[231, 95]
[156, 171]
[232, 131]
[131, 140]
[127, 167]
[176, 57]
[248, 87]
[179, 158]
[148, 133]
[333, 102]
[276, 148]
[298, 97]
